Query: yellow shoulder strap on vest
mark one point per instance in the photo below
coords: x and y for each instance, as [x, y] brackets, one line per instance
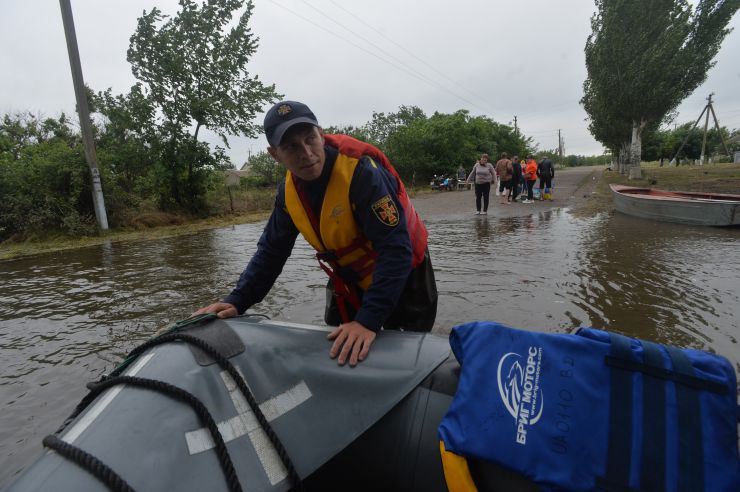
[298, 214]
[457, 473]
[338, 226]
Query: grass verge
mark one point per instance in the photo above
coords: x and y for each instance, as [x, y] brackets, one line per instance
[10, 250]
[715, 178]
[251, 207]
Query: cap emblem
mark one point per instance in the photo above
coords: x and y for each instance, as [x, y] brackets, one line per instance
[284, 109]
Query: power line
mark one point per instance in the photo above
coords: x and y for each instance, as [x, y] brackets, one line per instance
[355, 34]
[380, 33]
[542, 111]
[404, 69]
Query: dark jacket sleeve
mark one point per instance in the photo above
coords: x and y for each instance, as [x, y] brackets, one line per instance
[370, 185]
[273, 249]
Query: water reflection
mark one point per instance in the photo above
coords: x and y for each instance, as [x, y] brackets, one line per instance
[667, 283]
[68, 317]
[482, 230]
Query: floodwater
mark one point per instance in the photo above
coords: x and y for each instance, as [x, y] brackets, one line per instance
[68, 317]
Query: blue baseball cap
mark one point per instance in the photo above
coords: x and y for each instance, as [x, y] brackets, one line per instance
[284, 115]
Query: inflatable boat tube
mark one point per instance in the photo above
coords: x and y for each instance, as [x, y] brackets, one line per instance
[371, 427]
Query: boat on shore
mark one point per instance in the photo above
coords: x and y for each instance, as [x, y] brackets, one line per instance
[682, 207]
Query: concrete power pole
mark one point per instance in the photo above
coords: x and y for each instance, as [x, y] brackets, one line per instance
[560, 147]
[84, 113]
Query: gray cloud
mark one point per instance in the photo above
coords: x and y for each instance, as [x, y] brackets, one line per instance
[495, 58]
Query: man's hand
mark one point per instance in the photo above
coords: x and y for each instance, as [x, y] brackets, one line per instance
[351, 339]
[220, 309]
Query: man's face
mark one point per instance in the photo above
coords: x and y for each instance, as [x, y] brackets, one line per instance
[301, 151]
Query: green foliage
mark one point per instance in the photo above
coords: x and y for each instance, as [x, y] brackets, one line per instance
[194, 67]
[421, 146]
[360, 133]
[193, 73]
[644, 58]
[44, 180]
[382, 126]
[264, 171]
[126, 136]
[582, 160]
[665, 143]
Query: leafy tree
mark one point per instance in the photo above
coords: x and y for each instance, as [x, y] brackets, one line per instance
[440, 143]
[358, 132]
[573, 160]
[193, 67]
[44, 180]
[421, 146]
[126, 136]
[665, 143]
[266, 169]
[382, 125]
[643, 59]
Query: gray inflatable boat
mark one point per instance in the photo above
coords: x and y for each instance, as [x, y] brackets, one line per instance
[257, 405]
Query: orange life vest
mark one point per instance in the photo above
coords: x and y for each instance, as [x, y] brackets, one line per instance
[343, 251]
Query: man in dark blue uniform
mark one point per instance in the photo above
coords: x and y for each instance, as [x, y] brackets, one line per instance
[401, 292]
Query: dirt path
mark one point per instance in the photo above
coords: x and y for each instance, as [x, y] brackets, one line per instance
[572, 187]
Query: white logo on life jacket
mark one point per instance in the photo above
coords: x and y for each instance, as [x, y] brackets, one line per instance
[520, 389]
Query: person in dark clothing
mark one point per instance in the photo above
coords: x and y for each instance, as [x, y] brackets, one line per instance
[516, 178]
[546, 171]
[349, 203]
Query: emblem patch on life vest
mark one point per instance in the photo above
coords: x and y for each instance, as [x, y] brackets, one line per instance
[336, 212]
[386, 211]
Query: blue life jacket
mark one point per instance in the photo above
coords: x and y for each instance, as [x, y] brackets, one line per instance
[594, 410]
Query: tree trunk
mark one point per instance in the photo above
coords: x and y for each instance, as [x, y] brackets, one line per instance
[636, 150]
[624, 158]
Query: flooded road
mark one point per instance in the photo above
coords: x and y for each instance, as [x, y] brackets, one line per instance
[68, 317]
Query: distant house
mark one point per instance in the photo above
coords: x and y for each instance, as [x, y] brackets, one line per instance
[232, 177]
[734, 140]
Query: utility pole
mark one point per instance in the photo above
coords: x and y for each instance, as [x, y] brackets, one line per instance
[560, 147]
[719, 130]
[709, 107]
[704, 140]
[84, 112]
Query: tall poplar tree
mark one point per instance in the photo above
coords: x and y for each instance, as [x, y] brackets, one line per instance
[643, 58]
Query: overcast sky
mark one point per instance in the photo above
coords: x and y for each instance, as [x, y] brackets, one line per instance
[346, 59]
